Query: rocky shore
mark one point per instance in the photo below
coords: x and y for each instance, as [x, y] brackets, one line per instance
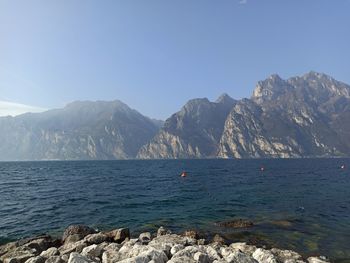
[82, 244]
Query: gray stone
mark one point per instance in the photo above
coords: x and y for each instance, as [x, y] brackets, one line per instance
[145, 238]
[240, 257]
[176, 248]
[119, 235]
[72, 247]
[161, 231]
[240, 246]
[317, 260]
[218, 239]
[55, 259]
[19, 255]
[93, 251]
[80, 230]
[96, 238]
[77, 258]
[201, 257]
[286, 256]
[264, 256]
[52, 251]
[37, 259]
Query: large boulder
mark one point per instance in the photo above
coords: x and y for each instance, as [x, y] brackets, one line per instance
[77, 258]
[241, 246]
[55, 259]
[118, 235]
[19, 255]
[94, 251]
[264, 256]
[52, 251]
[153, 255]
[97, 238]
[286, 256]
[80, 230]
[68, 248]
[240, 257]
[145, 238]
[37, 259]
[201, 257]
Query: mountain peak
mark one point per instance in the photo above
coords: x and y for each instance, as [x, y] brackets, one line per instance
[316, 75]
[275, 77]
[224, 98]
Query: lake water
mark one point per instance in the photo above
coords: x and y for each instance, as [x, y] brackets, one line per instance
[299, 204]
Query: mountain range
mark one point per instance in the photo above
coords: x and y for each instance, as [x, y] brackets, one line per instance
[304, 116]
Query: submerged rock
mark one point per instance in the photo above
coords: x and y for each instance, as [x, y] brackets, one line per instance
[237, 223]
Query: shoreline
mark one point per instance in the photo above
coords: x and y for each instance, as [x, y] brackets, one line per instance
[82, 244]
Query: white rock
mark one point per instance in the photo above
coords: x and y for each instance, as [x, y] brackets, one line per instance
[77, 258]
[213, 253]
[286, 256]
[264, 256]
[239, 257]
[176, 249]
[240, 246]
[317, 260]
[55, 259]
[183, 259]
[52, 251]
[93, 251]
[147, 256]
[37, 259]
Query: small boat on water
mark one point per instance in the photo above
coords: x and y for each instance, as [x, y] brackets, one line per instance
[183, 174]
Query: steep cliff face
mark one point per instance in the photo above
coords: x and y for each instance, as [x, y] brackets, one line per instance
[81, 130]
[300, 117]
[193, 132]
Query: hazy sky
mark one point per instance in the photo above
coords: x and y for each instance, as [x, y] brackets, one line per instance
[154, 55]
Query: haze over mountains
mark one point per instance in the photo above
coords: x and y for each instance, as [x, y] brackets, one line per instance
[307, 116]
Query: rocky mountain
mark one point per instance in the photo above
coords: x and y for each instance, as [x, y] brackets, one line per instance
[307, 116]
[81, 130]
[193, 132]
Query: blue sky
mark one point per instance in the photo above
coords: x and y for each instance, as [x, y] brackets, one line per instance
[155, 55]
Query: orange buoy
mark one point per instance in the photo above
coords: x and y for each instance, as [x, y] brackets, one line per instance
[184, 174]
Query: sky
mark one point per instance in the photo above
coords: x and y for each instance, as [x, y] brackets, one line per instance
[155, 55]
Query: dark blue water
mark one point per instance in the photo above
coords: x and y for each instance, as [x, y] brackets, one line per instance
[295, 204]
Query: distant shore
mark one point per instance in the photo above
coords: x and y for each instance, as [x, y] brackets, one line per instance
[82, 244]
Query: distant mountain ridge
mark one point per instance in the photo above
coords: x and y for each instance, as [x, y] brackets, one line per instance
[81, 130]
[306, 116]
